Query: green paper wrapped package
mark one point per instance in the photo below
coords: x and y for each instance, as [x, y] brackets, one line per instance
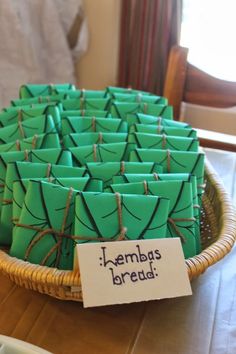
[79, 184]
[12, 174]
[100, 104]
[82, 139]
[41, 141]
[127, 91]
[156, 141]
[107, 170]
[101, 153]
[138, 98]
[174, 162]
[134, 178]
[151, 177]
[9, 118]
[181, 221]
[140, 118]
[30, 90]
[57, 156]
[123, 110]
[38, 99]
[87, 113]
[49, 210]
[87, 94]
[144, 218]
[15, 114]
[152, 129]
[82, 125]
[26, 129]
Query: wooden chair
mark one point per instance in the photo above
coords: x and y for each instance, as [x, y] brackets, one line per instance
[186, 83]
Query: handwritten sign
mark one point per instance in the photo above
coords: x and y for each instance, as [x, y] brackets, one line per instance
[132, 271]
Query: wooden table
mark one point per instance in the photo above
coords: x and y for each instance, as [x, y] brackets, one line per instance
[204, 323]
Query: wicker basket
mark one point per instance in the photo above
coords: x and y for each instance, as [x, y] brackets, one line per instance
[218, 233]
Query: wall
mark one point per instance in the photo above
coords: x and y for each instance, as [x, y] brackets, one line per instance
[98, 67]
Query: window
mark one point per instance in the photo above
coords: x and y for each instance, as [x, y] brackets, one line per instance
[209, 31]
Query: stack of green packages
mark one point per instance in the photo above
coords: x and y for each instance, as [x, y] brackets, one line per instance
[94, 166]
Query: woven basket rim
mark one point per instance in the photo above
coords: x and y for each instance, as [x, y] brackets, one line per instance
[45, 279]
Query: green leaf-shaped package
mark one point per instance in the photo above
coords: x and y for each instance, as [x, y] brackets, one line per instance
[181, 222]
[152, 129]
[83, 125]
[37, 141]
[101, 153]
[20, 170]
[143, 217]
[77, 183]
[32, 90]
[26, 129]
[138, 98]
[38, 99]
[100, 104]
[127, 91]
[140, 118]
[87, 113]
[174, 162]
[107, 170]
[87, 94]
[134, 178]
[45, 207]
[57, 156]
[82, 139]
[156, 141]
[123, 110]
[12, 114]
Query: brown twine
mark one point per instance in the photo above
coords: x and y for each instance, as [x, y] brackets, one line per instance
[118, 201]
[159, 125]
[173, 221]
[82, 93]
[139, 97]
[82, 103]
[145, 185]
[163, 141]
[94, 124]
[82, 112]
[122, 167]
[34, 141]
[145, 107]
[20, 115]
[40, 99]
[21, 129]
[26, 153]
[100, 138]
[61, 234]
[168, 160]
[7, 201]
[48, 172]
[18, 147]
[155, 175]
[95, 152]
[51, 88]
[51, 179]
[59, 243]
[196, 206]
[203, 186]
